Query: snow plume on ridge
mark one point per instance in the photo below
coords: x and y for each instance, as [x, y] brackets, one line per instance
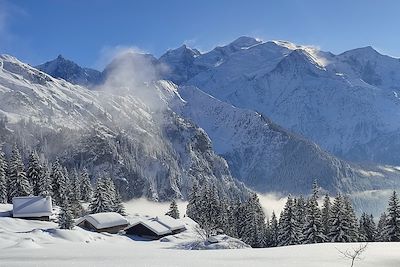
[131, 72]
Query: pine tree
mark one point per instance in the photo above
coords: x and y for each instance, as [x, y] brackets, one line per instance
[392, 229]
[76, 185]
[380, 233]
[253, 232]
[326, 215]
[3, 181]
[352, 220]
[231, 226]
[119, 206]
[65, 217]
[173, 210]
[341, 225]
[60, 186]
[312, 229]
[300, 210]
[193, 207]
[18, 183]
[111, 191]
[34, 172]
[367, 230]
[274, 228]
[45, 182]
[100, 201]
[86, 187]
[288, 228]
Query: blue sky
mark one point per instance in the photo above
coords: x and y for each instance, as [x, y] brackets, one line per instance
[88, 31]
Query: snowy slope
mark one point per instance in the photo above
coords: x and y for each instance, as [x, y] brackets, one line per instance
[346, 103]
[129, 132]
[268, 158]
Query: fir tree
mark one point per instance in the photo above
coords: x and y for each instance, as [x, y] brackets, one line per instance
[380, 233]
[60, 186]
[86, 187]
[274, 228]
[392, 229]
[367, 229]
[231, 227]
[312, 229]
[351, 219]
[326, 215]
[288, 228]
[300, 210]
[119, 206]
[173, 210]
[65, 217]
[76, 185]
[253, 232]
[34, 172]
[18, 183]
[45, 182]
[341, 225]
[192, 209]
[100, 201]
[3, 181]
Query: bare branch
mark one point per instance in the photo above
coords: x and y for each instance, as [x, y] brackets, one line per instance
[354, 254]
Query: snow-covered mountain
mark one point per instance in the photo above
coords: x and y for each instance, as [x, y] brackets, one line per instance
[268, 158]
[129, 132]
[70, 71]
[346, 103]
[263, 155]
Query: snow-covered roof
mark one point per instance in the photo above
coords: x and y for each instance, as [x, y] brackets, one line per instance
[32, 206]
[104, 220]
[170, 223]
[152, 225]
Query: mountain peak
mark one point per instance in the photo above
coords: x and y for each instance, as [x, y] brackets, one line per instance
[245, 41]
[68, 70]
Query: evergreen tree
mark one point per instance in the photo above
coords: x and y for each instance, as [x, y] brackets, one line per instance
[18, 183]
[100, 201]
[367, 230]
[119, 206]
[352, 220]
[341, 225]
[86, 187]
[60, 186]
[380, 233]
[326, 215]
[111, 190]
[76, 185]
[253, 232]
[173, 210]
[193, 207]
[288, 228]
[231, 226]
[3, 181]
[312, 230]
[300, 210]
[45, 182]
[392, 229]
[34, 172]
[65, 217]
[274, 228]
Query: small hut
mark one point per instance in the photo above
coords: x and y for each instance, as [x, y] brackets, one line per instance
[32, 207]
[155, 228]
[110, 222]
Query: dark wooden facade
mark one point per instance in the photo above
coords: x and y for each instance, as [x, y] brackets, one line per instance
[141, 230]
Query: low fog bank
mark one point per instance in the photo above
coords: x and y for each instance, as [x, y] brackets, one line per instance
[144, 206]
